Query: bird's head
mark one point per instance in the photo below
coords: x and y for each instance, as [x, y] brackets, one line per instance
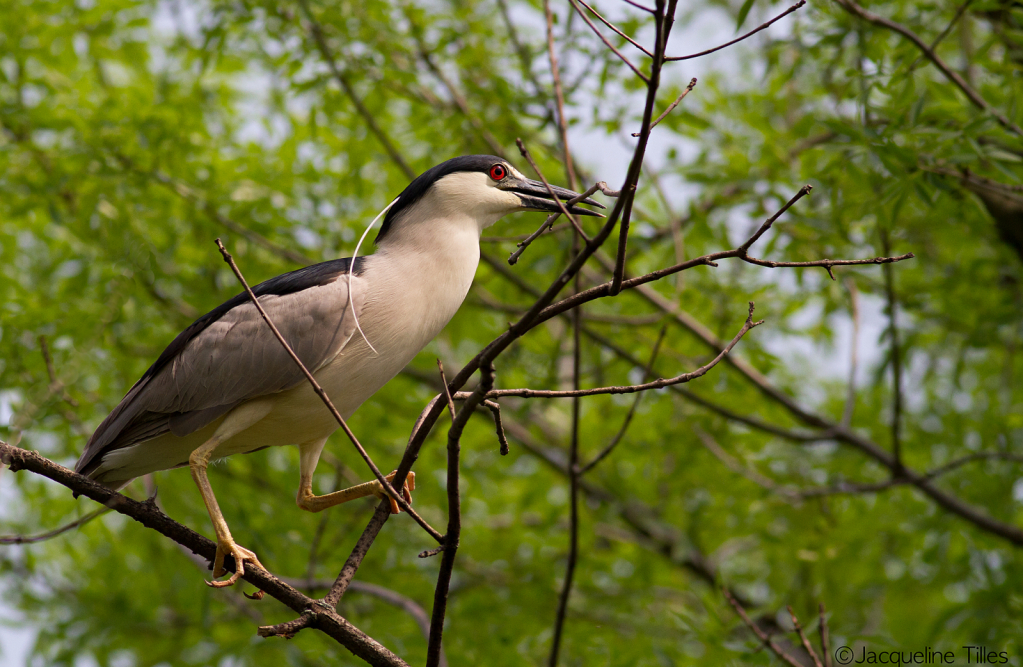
[474, 190]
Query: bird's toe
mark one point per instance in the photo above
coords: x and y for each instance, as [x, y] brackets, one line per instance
[240, 555]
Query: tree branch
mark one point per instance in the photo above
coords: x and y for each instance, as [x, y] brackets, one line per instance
[953, 76]
[150, 516]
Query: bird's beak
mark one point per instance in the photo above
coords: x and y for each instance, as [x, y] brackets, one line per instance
[536, 197]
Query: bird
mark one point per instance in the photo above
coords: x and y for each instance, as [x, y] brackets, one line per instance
[225, 385]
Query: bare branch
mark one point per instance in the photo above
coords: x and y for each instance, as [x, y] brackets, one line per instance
[608, 44]
[502, 439]
[896, 358]
[559, 99]
[732, 464]
[453, 535]
[850, 399]
[573, 485]
[149, 515]
[822, 627]
[739, 39]
[447, 392]
[764, 638]
[550, 191]
[802, 637]
[615, 28]
[671, 107]
[549, 222]
[632, 410]
[632, 388]
[42, 537]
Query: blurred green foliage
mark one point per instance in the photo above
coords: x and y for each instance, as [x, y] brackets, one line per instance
[133, 133]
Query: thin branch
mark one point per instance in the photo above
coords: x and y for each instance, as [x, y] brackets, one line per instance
[739, 39]
[502, 438]
[764, 638]
[391, 597]
[802, 637]
[608, 44]
[150, 516]
[447, 392]
[548, 224]
[559, 99]
[397, 497]
[632, 388]
[930, 54]
[664, 19]
[732, 464]
[850, 399]
[822, 628]
[632, 410]
[970, 458]
[456, 95]
[451, 539]
[550, 191]
[367, 116]
[944, 33]
[896, 359]
[671, 107]
[573, 484]
[615, 28]
[42, 537]
[380, 516]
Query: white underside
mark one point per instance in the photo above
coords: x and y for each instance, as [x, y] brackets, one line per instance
[414, 286]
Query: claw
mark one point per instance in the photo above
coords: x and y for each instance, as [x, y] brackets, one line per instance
[240, 555]
[406, 491]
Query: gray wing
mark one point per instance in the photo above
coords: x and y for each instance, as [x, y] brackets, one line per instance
[230, 355]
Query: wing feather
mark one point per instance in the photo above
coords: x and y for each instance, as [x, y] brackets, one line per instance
[230, 355]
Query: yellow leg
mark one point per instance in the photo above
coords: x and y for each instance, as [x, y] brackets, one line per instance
[309, 455]
[236, 421]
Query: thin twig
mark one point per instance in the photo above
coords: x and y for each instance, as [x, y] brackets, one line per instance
[732, 464]
[42, 537]
[764, 638]
[896, 359]
[559, 98]
[453, 535]
[632, 388]
[802, 637]
[943, 34]
[550, 190]
[615, 28]
[739, 39]
[502, 438]
[608, 44]
[850, 399]
[326, 400]
[573, 483]
[664, 19]
[548, 224]
[822, 627]
[671, 107]
[447, 392]
[632, 410]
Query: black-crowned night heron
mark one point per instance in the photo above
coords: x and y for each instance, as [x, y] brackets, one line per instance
[226, 385]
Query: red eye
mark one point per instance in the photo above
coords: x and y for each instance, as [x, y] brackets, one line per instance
[498, 172]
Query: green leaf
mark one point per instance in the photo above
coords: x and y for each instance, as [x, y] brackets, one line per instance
[747, 5]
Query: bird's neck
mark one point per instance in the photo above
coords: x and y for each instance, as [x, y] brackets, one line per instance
[445, 251]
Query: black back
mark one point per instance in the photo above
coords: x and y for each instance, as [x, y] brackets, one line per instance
[418, 187]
